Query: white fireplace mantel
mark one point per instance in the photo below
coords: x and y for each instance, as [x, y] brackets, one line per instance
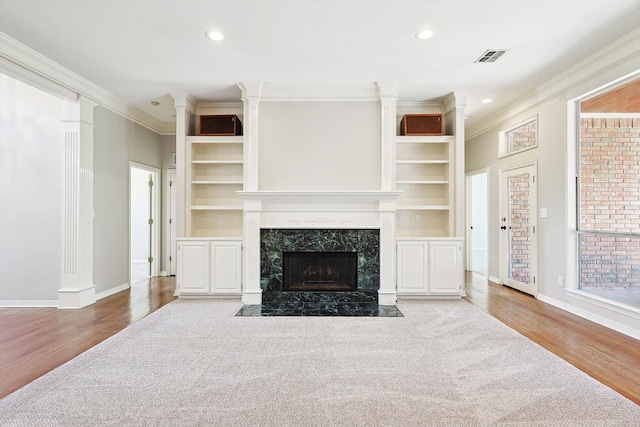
[320, 195]
[319, 210]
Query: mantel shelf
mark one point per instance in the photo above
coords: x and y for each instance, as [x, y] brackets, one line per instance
[320, 195]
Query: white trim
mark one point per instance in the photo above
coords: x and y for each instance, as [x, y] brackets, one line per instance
[26, 64]
[155, 214]
[112, 291]
[29, 303]
[603, 321]
[167, 227]
[495, 280]
[469, 214]
[502, 139]
[503, 242]
[620, 51]
[609, 115]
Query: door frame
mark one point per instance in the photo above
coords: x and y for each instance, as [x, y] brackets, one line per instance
[170, 245]
[155, 214]
[504, 241]
[469, 216]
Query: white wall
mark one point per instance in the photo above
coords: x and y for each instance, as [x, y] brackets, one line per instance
[31, 193]
[116, 141]
[554, 186]
[319, 146]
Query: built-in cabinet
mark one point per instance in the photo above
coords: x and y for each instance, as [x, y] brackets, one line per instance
[424, 175]
[210, 258]
[425, 218]
[215, 175]
[209, 266]
[429, 267]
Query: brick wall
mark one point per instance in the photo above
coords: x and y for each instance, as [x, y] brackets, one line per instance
[610, 202]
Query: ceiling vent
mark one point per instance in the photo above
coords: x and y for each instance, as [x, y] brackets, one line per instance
[491, 55]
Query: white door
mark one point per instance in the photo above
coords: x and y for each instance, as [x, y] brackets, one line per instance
[143, 227]
[518, 234]
[171, 222]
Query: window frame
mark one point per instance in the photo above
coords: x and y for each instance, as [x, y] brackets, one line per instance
[503, 144]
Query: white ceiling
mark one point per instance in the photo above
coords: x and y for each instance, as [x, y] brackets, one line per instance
[142, 50]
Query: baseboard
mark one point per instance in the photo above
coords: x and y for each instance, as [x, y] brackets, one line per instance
[29, 303]
[112, 291]
[163, 274]
[494, 280]
[603, 321]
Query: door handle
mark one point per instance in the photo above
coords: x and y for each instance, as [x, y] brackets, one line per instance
[504, 227]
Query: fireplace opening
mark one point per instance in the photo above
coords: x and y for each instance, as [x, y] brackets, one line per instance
[320, 271]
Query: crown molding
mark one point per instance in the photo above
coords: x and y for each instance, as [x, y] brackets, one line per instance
[624, 50]
[25, 64]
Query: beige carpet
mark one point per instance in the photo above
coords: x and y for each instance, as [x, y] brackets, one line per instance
[193, 363]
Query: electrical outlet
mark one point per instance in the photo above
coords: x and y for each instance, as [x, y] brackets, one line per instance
[398, 217]
[219, 217]
[561, 281]
[418, 217]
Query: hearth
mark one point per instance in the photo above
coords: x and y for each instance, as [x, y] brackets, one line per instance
[320, 271]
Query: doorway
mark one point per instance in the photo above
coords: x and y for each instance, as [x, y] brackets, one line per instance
[518, 234]
[477, 220]
[143, 226]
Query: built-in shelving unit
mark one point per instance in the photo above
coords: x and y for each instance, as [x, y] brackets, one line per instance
[424, 174]
[215, 175]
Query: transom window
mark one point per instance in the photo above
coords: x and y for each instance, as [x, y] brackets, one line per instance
[520, 137]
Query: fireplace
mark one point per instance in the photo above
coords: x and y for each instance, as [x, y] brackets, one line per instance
[320, 271]
[354, 254]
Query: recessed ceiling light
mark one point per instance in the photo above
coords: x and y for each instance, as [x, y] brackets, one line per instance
[424, 34]
[487, 100]
[155, 103]
[216, 36]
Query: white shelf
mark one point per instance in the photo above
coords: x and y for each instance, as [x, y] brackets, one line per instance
[217, 162]
[212, 139]
[425, 139]
[216, 208]
[217, 182]
[215, 175]
[424, 174]
[422, 162]
[423, 207]
[434, 182]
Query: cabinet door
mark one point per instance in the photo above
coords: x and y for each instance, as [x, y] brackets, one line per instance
[445, 267]
[412, 268]
[193, 268]
[226, 263]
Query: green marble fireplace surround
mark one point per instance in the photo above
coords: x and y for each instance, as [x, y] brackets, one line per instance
[274, 242]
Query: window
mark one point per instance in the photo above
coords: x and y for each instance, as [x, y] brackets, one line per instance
[608, 217]
[522, 136]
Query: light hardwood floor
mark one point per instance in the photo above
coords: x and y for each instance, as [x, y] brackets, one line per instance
[34, 341]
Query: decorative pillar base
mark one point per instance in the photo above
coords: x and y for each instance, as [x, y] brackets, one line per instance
[76, 298]
[387, 298]
[252, 297]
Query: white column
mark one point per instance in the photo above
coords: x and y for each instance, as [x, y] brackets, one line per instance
[251, 102]
[460, 105]
[77, 282]
[388, 100]
[251, 290]
[387, 292]
[183, 103]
